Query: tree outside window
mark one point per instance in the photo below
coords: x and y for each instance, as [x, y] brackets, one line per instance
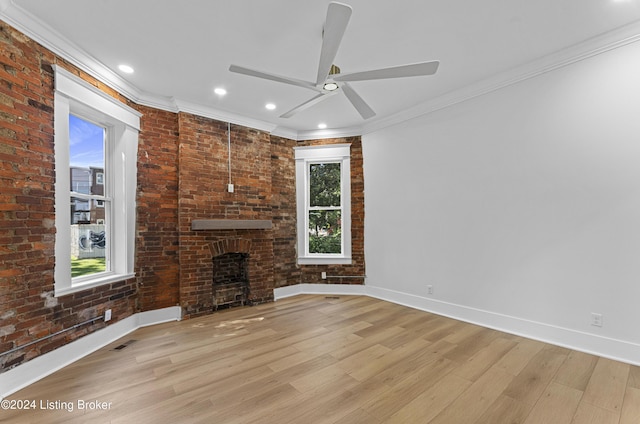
[323, 195]
[325, 208]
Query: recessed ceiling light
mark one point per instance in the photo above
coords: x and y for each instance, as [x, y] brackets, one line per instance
[270, 106]
[220, 91]
[322, 126]
[126, 69]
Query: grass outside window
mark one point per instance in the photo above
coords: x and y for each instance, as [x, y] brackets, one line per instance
[80, 267]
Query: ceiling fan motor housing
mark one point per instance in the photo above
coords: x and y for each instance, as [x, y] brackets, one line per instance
[330, 85]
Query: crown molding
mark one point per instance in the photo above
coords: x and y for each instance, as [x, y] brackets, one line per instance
[591, 47]
[317, 134]
[42, 33]
[219, 115]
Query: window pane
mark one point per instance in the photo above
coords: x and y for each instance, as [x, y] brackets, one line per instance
[324, 184]
[325, 231]
[86, 171]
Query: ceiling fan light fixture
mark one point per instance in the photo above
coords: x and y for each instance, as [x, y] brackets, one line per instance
[330, 86]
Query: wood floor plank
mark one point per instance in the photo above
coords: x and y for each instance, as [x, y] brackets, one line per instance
[432, 402]
[462, 332]
[439, 329]
[477, 399]
[423, 378]
[532, 381]
[590, 414]
[398, 372]
[576, 370]
[505, 410]
[359, 416]
[361, 365]
[517, 358]
[313, 364]
[335, 306]
[388, 361]
[402, 338]
[485, 358]
[607, 385]
[339, 407]
[634, 377]
[320, 359]
[328, 375]
[471, 344]
[377, 337]
[557, 405]
[411, 318]
[631, 406]
[327, 342]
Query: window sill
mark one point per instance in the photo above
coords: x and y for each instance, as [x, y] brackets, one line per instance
[324, 260]
[89, 284]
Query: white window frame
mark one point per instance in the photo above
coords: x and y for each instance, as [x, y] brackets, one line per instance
[304, 156]
[75, 96]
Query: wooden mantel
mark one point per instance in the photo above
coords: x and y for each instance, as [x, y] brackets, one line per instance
[231, 224]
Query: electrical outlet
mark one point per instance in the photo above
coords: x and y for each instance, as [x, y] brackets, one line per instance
[596, 319]
[230, 188]
[323, 275]
[107, 315]
[429, 289]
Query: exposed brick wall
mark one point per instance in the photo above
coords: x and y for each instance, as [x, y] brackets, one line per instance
[203, 179]
[28, 310]
[157, 266]
[27, 231]
[182, 175]
[283, 178]
[287, 272]
[263, 173]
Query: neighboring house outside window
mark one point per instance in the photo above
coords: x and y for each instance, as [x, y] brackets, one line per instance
[323, 196]
[96, 141]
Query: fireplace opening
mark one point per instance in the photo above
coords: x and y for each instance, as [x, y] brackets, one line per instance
[230, 280]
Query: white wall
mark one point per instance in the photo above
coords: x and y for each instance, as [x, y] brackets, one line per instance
[521, 207]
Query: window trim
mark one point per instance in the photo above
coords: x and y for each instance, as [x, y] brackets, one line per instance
[72, 95]
[304, 156]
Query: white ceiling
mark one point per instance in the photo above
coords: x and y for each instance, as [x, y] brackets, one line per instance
[181, 50]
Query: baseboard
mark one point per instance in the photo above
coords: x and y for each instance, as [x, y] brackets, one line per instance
[335, 289]
[594, 344]
[28, 373]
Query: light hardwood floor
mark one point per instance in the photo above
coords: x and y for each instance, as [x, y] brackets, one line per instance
[348, 359]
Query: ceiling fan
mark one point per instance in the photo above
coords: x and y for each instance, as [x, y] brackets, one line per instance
[330, 80]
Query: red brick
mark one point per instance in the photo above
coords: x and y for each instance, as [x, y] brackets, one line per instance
[182, 175]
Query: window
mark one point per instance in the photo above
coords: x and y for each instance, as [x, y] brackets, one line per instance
[96, 141]
[323, 192]
[89, 250]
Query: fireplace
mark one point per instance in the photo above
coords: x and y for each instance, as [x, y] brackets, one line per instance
[230, 280]
[230, 284]
[198, 294]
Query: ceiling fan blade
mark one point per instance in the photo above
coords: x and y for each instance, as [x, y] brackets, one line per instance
[338, 16]
[414, 70]
[358, 102]
[273, 77]
[313, 101]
